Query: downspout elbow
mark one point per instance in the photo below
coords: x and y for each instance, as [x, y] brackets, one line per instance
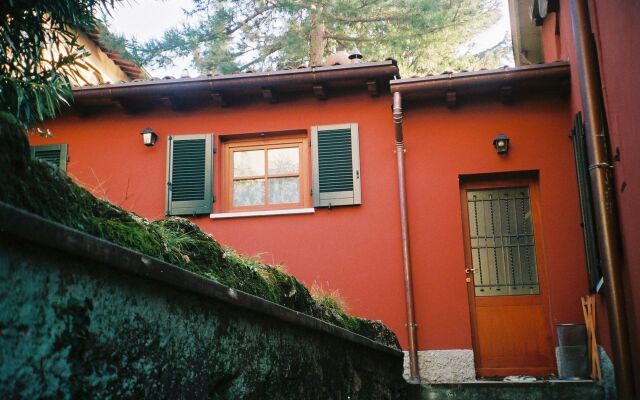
[397, 117]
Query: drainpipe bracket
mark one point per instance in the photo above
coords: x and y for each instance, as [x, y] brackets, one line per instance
[600, 165]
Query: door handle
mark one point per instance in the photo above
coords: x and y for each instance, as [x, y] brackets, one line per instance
[470, 270]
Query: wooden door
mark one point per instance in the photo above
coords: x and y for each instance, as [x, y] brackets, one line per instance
[507, 290]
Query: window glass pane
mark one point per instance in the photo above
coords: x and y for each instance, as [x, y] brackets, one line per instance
[248, 192]
[284, 190]
[248, 163]
[284, 161]
[502, 242]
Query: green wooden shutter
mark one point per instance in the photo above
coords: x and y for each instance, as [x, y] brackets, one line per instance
[586, 204]
[189, 175]
[336, 165]
[55, 154]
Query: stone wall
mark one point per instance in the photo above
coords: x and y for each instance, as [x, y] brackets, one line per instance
[443, 366]
[83, 318]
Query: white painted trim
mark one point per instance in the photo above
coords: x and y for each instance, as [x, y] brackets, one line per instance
[266, 213]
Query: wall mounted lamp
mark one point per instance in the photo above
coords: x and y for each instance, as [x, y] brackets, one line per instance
[149, 137]
[501, 143]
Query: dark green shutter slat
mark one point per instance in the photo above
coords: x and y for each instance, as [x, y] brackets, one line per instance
[50, 156]
[189, 174]
[586, 203]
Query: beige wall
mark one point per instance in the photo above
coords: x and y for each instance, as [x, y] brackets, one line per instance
[97, 68]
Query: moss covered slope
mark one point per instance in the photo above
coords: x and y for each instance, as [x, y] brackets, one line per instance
[36, 187]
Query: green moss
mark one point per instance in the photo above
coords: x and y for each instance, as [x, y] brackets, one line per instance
[36, 187]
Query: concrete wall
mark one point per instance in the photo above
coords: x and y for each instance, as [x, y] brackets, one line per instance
[82, 318]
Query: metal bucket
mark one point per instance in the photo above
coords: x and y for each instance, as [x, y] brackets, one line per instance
[571, 354]
[571, 335]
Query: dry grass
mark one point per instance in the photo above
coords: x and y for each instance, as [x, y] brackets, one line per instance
[330, 299]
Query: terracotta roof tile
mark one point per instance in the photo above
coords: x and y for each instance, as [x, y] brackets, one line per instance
[130, 69]
[211, 75]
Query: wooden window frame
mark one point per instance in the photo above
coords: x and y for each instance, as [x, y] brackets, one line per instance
[265, 143]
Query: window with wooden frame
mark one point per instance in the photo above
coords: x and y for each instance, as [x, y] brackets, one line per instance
[55, 155]
[266, 173]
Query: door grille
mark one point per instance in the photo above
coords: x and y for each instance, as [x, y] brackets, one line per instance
[502, 242]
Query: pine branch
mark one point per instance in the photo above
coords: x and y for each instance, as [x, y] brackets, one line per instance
[263, 55]
[385, 18]
[250, 18]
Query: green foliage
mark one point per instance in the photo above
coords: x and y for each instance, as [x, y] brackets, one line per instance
[38, 49]
[425, 36]
[117, 43]
[35, 186]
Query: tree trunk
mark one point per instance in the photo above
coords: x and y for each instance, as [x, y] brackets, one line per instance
[316, 39]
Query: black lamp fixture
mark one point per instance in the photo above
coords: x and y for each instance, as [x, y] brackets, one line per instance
[501, 143]
[149, 137]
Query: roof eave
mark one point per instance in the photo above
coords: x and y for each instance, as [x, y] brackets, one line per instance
[243, 82]
[484, 81]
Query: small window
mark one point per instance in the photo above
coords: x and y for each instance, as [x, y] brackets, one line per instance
[189, 171]
[55, 154]
[336, 165]
[265, 174]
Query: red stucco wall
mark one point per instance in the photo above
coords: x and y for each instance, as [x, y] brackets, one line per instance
[357, 249]
[444, 144]
[617, 39]
[353, 249]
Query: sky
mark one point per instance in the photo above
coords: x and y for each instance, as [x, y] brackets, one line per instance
[148, 19]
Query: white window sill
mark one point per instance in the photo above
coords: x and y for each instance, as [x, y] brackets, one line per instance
[244, 214]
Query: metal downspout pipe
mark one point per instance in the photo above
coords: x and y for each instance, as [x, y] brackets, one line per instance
[414, 376]
[602, 183]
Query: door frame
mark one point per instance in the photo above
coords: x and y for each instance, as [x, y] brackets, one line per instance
[497, 181]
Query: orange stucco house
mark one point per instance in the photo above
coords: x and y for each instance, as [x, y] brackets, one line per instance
[446, 206]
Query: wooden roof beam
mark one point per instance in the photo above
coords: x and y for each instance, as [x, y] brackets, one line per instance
[506, 94]
[318, 90]
[269, 95]
[451, 98]
[219, 98]
[372, 87]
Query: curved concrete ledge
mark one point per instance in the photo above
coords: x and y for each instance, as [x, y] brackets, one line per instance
[21, 224]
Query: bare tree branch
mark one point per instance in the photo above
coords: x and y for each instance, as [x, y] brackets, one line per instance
[250, 18]
[349, 38]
